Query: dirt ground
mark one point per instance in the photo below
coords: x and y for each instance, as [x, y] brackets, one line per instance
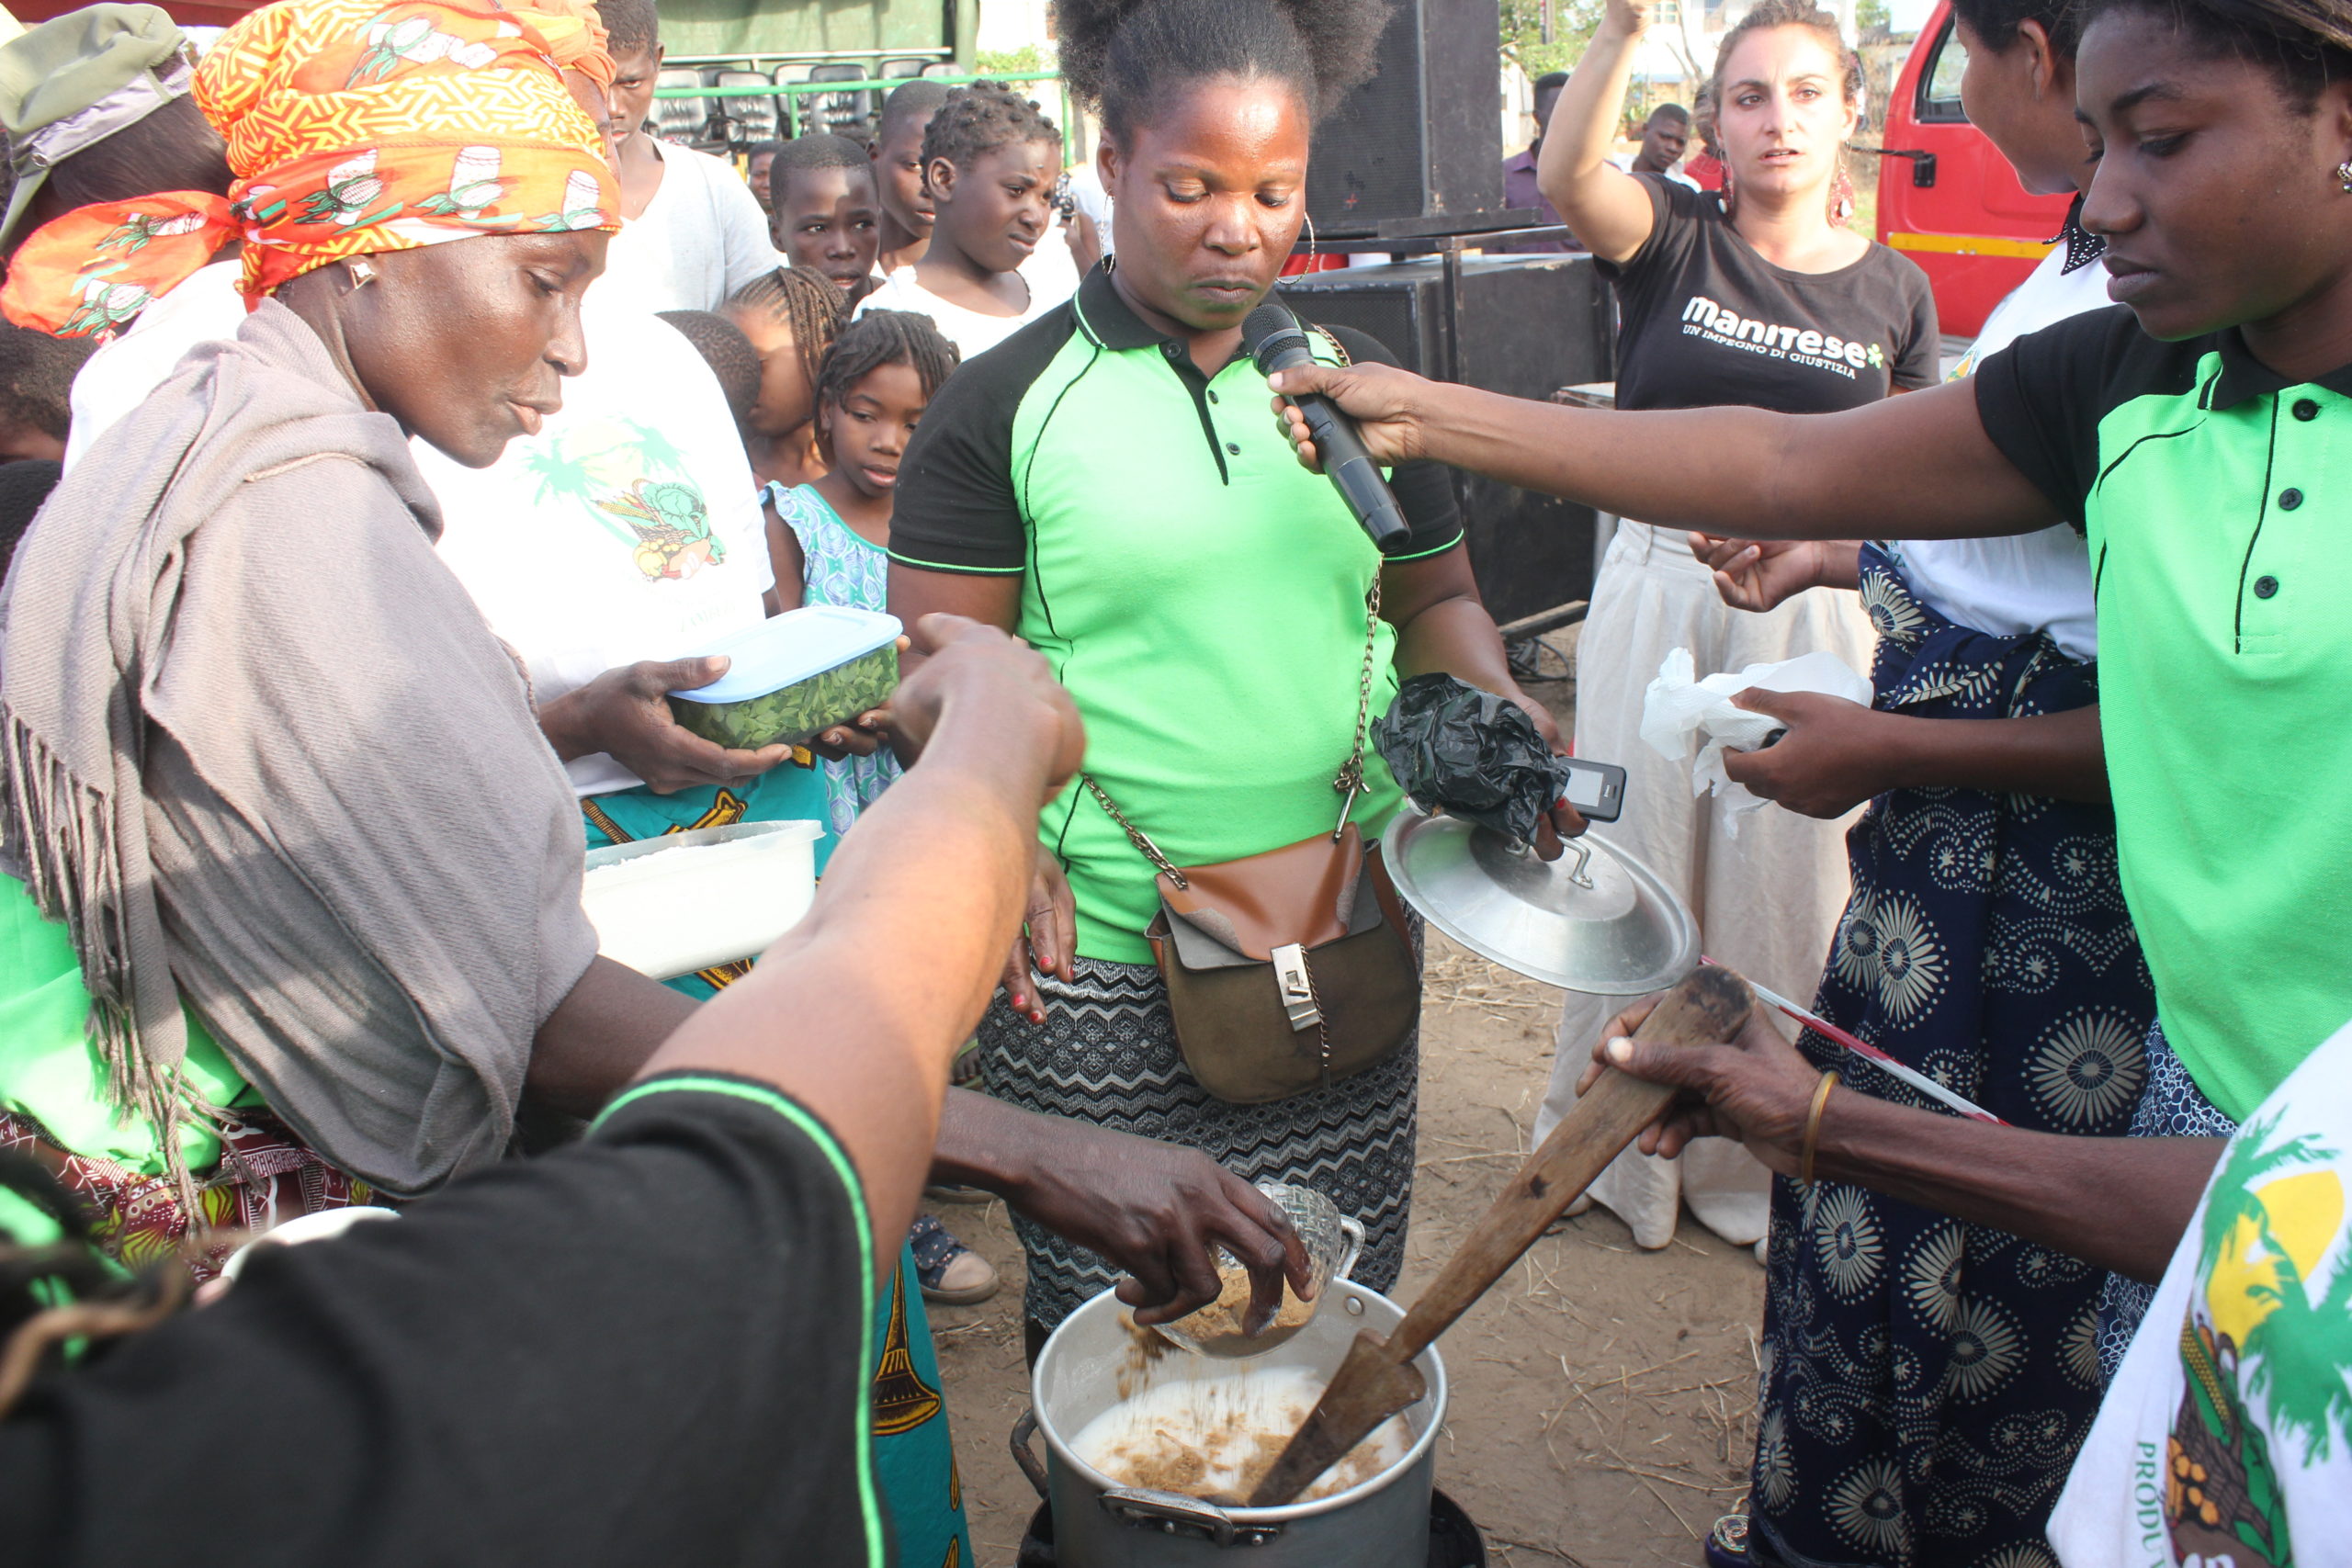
[1603, 1397]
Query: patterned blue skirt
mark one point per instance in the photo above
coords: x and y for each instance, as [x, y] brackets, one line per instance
[1926, 1383]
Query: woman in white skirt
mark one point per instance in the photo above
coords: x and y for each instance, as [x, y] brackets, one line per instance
[1755, 295]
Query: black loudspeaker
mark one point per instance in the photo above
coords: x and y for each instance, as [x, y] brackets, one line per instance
[1524, 327]
[1423, 139]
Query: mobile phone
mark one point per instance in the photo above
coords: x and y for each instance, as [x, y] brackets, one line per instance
[1597, 789]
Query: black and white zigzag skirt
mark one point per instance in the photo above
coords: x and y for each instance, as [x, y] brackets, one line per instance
[1106, 1054]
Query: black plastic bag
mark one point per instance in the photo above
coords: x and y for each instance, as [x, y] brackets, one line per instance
[1470, 753]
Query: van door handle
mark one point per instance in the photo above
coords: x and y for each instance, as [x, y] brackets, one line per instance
[1923, 164]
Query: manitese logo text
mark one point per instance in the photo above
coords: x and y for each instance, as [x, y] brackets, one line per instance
[1703, 318]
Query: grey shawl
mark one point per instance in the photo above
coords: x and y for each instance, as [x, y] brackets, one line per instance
[262, 754]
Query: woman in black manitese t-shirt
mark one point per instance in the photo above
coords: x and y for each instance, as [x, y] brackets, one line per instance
[1758, 295]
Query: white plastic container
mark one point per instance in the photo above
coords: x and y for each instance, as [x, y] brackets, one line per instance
[670, 906]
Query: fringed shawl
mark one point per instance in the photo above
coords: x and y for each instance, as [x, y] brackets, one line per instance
[262, 753]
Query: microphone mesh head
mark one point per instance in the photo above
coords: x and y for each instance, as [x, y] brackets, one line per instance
[1263, 326]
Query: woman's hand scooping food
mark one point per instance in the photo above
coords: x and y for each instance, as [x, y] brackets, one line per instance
[1157, 1210]
[1756, 1090]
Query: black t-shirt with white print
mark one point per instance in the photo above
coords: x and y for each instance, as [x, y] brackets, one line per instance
[1705, 321]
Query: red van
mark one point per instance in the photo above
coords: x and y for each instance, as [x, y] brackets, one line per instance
[1946, 198]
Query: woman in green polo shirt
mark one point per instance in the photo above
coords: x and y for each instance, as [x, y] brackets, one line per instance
[1105, 482]
[2191, 436]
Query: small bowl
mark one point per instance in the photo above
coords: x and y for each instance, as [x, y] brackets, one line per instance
[1333, 1241]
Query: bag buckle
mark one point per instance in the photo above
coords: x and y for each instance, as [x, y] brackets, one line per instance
[1296, 986]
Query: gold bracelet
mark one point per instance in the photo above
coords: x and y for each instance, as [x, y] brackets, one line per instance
[1813, 1126]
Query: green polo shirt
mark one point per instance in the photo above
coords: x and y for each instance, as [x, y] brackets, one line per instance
[2217, 503]
[1200, 594]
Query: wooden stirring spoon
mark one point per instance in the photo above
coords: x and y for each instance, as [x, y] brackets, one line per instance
[1378, 1377]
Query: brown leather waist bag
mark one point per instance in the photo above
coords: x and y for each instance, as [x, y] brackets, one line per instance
[1289, 970]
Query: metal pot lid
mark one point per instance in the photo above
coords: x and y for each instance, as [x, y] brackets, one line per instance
[1595, 921]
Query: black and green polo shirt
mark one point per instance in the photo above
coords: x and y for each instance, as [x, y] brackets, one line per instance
[1200, 593]
[2218, 502]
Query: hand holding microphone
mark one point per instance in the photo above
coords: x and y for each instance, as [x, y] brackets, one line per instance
[1273, 338]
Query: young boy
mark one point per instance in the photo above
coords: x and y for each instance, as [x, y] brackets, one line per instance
[823, 213]
[991, 161]
[694, 232]
[898, 173]
[756, 163]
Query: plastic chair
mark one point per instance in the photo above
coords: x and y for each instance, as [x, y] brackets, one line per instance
[748, 118]
[792, 117]
[843, 114]
[681, 119]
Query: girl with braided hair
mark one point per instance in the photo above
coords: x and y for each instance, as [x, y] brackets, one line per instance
[792, 316]
[1102, 482]
[990, 161]
[829, 538]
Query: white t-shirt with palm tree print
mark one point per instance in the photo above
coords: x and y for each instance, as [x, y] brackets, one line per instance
[2225, 1440]
[627, 528]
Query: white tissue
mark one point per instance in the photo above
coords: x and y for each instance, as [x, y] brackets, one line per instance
[1677, 708]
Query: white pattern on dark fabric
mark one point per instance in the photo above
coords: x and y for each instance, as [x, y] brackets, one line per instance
[1106, 1054]
[1923, 1381]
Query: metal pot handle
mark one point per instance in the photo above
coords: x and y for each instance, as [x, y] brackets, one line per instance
[1352, 1228]
[1179, 1515]
[1026, 1457]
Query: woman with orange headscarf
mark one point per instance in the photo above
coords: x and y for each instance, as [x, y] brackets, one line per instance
[315, 874]
[153, 271]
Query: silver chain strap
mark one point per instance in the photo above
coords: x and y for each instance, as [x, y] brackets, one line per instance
[1148, 849]
[1350, 783]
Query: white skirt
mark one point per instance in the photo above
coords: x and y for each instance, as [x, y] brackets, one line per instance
[1767, 902]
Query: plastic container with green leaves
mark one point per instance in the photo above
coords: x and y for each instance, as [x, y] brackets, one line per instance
[794, 676]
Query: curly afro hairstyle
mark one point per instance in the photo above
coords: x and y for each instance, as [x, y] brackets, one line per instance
[980, 119]
[1122, 57]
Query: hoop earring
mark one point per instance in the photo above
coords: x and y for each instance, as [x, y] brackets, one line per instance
[1310, 241]
[2343, 176]
[363, 270]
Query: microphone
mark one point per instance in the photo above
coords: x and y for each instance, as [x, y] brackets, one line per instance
[1276, 340]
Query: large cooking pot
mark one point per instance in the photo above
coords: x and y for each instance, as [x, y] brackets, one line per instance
[1384, 1523]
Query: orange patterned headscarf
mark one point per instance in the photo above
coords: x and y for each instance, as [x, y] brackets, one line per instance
[354, 126]
[575, 37]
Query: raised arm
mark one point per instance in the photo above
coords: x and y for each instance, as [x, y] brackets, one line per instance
[1608, 207]
[1924, 459]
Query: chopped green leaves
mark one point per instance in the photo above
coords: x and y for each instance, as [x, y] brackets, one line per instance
[794, 714]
